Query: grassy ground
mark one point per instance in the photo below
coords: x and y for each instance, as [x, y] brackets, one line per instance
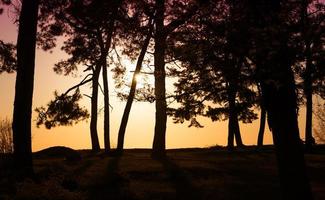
[210, 173]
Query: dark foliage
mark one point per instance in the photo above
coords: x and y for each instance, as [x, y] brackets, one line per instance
[8, 61]
[62, 111]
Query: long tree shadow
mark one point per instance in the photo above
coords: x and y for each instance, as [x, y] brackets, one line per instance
[109, 186]
[183, 186]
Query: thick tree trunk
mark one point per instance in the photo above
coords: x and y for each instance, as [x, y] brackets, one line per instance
[127, 109]
[159, 141]
[239, 141]
[282, 117]
[94, 107]
[261, 131]
[231, 135]
[231, 116]
[22, 113]
[280, 99]
[233, 124]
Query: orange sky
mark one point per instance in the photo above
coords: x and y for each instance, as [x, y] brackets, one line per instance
[140, 128]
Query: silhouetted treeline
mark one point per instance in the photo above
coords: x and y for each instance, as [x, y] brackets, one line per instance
[228, 58]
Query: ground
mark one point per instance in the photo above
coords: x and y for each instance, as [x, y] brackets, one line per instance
[211, 173]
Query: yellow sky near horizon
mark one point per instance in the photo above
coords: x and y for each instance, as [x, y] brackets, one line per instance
[140, 129]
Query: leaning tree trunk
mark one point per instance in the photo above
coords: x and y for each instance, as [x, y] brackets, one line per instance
[159, 142]
[22, 113]
[94, 108]
[129, 102]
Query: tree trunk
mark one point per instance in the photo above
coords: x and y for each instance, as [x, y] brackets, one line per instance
[309, 114]
[129, 102]
[280, 99]
[231, 135]
[239, 141]
[282, 117]
[22, 113]
[94, 115]
[104, 53]
[107, 144]
[233, 125]
[262, 127]
[231, 116]
[308, 91]
[159, 141]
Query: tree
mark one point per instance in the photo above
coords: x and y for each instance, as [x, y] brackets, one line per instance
[90, 27]
[177, 14]
[312, 42]
[132, 92]
[271, 28]
[215, 79]
[21, 125]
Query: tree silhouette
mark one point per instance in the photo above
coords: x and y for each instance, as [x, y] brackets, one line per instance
[178, 13]
[90, 27]
[312, 72]
[271, 23]
[132, 92]
[22, 113]
[215, 80]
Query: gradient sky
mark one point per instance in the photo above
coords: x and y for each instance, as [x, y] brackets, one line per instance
[140, 129]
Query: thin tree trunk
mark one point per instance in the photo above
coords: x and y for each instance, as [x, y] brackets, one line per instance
[129, 102]
[104, 65]
[104, 51]
[22, 113]
[107, 144]
[94, 107]
[262, 127]
[309, 140]
[159, 142]
[309, 116]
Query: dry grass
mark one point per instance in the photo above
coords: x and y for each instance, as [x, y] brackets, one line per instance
[185, 174]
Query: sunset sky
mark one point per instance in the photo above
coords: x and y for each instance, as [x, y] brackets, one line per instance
[140, 128]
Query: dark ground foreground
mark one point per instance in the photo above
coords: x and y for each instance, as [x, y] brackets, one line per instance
[211, 173]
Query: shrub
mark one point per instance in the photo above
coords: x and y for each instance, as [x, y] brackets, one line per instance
[6, 140]
[320, 127]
